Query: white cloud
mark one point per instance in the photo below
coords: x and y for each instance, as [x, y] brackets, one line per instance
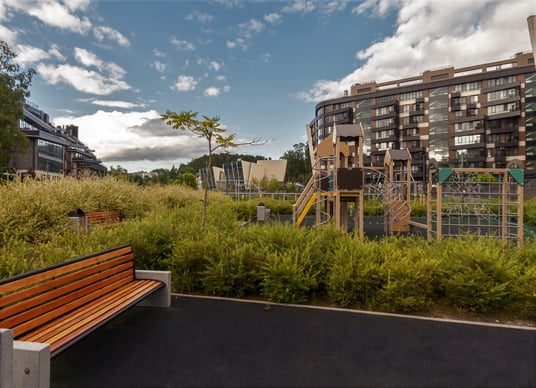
[83, 80]
[159, 66]
[87, 58]
[29, 54]
[90, 59]
[377, 7]
[220, 78]
[300, 6]
[239, 42]
[212, 92]
[101, 32]
[131, 139]
[185, 83]
[7, 35]
[215, 65]
[56, 14]
[182, 44]
[430, 35]
[273, 18]
[251, 28]
[75, 5]
[200, 17]
[333, 6]
[55, 52]
[117, 104]
[158, 53]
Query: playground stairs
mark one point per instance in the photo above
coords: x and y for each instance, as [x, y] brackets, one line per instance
[306, 199]
[396, 207]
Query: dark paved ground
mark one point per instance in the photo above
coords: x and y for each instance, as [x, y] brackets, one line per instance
[208, 342]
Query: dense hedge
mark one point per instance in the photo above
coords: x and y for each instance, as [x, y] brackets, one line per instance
[273, 261]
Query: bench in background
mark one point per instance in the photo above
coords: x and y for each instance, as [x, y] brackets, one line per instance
[47, 310]
[104, 218]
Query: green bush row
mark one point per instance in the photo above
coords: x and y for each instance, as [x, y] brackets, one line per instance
[277, 262]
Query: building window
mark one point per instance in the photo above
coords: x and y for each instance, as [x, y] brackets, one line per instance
[472, 112]
[385, 146]
[502, 81]
[385, 110]
[51, 149]
[457, 101]
[502, 94]
[467, 86]
[502, 108]
[47, 165]
[385, 99]
[468, 139]
[468, 126]
[385, 122]
[384, 134]
[411, 95]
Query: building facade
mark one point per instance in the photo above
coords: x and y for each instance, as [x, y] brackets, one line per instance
[240, 175]
[54, 151]
[479, 116]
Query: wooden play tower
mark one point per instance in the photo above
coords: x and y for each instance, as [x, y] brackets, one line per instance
[336, 186]
[396, 191]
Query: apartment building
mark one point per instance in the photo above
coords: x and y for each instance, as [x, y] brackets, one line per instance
[478, 116]
[54, 151]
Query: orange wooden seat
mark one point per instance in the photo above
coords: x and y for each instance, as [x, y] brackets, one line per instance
[61, 304]
[104, 218]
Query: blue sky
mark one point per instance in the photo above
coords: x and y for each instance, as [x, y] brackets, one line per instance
[112, 67]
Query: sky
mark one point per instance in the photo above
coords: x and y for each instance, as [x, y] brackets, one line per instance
[113, 67]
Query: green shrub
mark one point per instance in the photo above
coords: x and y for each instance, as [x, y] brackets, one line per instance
[234, 272]
[410, 270]
[354, 276]
[288, 277]
[187, 263]
[477, 275]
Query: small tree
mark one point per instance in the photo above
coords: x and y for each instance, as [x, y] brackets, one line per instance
[208, 128]
[14, 87]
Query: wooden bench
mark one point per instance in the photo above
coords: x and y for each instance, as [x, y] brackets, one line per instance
[106, 218]
[58, 305]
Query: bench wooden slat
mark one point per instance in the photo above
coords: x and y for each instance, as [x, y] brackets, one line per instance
[78, 318]
[104, 218]
[55, 293]
[57, 345]
[57, 334]
[37, 292]
[38, 276]
[62, 306]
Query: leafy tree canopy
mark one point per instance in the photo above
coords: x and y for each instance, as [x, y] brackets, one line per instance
[14, 88]
[298, 163]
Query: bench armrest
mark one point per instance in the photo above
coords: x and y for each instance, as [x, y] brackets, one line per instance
[6, 358]
[162, 297]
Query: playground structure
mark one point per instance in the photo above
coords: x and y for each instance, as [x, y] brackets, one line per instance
[486, 202]
[337, 180]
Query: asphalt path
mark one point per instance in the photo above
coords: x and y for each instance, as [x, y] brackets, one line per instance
[212, 342]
